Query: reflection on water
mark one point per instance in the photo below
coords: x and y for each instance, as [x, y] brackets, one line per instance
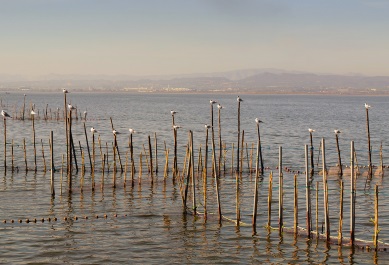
[144, 222]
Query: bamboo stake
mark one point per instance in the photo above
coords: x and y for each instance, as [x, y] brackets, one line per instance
[5, 145]
[220, 137]
[12, 155]
[33, 139]
[317, 208]
[102, 173]
[156, 153]
[376, 230]
[241, 154]
[63, 157]
[370, 174]
[70, 167]
[382, 161]
[340, 235]
[256, 192]
[43, 157]
[295, 223]
[312, 164]
[52, 163]
[352, 195]
[193, 175]
[339, 158]
[269, 199]
[232, 160]
[94, 161]
[24, 106]
[82, 170]
[25, 153]
[307, 194]
[140, 167]
[151, 160]
[114, 168]
[87, 145]
[326, 215]
[237, 152]
[125, 171]
[280, 193]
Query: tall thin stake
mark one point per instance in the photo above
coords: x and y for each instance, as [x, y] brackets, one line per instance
[307, 194]
[352, 195]
[325, 188]
[370, 174]
[52, 163]
[280, 193]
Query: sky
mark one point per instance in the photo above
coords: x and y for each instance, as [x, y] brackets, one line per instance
[163, 37]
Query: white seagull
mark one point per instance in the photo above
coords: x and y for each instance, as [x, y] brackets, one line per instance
[70, 107]
[239, 99]
[367, 106]
[64, 90]
[258, 121]
[337, 131]
[5, 114]
[132, 130]
[176, 127]
[212, 101]
[173, 112]
[207, 126]
[219, 106]
[33, 112]
[115, 132]
[311, 130]
[93, 130]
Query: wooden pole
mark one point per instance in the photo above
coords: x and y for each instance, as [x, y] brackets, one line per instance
[256, 192]
[65, 116]
[217, 179]
[295, 223]
[33, 139]
[269, 199]
[307, 194]
[87, 146]
[43, 157]
[353, 196]
[5, 145]
[370, 174]
[156, 153]
[94, 161]
[25, 153]
[24, 106]
[317, 209]
[220, 137]
[12, 155]
[117, 147]
[241, 153]
[340, 235]
[237, 152]
[52, 164]
[151, 159]
[339, 158]
[325, 188]
[70, 167]
[382, 161]
[280, 193]
[312, 164]
[376, 231]
[193, 173]
[205, 173]
[260, 148]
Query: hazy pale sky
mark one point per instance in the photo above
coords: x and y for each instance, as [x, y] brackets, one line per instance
[142, 37]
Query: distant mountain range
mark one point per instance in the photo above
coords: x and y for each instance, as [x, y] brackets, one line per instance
[249, 80]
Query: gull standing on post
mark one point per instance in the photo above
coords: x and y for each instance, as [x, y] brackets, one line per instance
[173, 112]
[367, 106]
[132, 131]
[5, 114]
[93, 130]
[176, 127]
[64, 90]
[337, 131]
[212, 101]
[115, 132]
[258, 121]
[70, 107]
[239, 99]
[311, 130]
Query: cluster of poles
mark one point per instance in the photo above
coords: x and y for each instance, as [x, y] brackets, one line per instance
[186, 177]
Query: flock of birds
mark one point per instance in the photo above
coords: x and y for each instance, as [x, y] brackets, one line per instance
[172, 112]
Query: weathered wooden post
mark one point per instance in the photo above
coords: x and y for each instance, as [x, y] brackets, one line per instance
[193, 173]
[325, 188]
[219, 107]
[295, 223]
[259, 147]
[33, 113]
[352, 195]
[52, 163]
[367, 107]
[205, 171]
[238, 148]
[337, 147]
[269, 199]
[340, 234]
[280, 193]
[307, 194]
[376, 230]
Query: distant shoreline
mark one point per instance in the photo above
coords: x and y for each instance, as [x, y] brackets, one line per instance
[75, 91]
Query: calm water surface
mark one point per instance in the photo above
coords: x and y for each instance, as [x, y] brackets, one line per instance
[145, 223]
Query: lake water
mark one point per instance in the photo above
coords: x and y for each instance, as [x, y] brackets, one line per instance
[145, 223]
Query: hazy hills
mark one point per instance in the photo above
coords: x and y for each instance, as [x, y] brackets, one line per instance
[250, 80]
